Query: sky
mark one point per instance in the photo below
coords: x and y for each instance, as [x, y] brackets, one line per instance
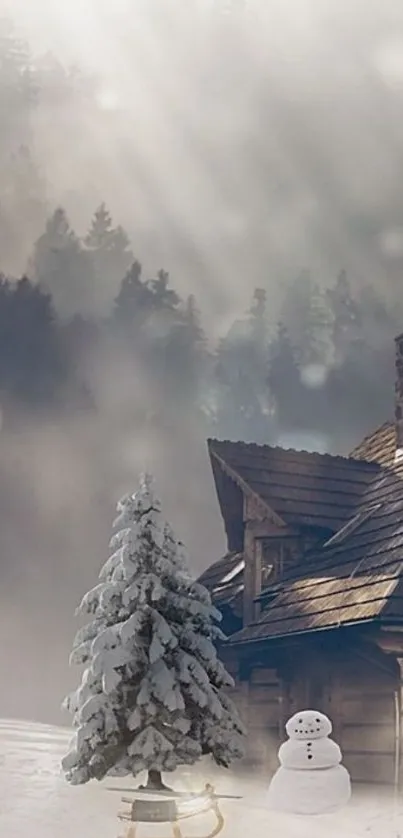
[238, 144]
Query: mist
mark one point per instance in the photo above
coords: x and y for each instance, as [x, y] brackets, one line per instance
[237, 143]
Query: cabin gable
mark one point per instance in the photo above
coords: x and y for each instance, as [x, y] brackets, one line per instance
[276, 507]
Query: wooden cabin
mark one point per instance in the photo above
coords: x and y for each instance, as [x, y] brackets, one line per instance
[311, 592]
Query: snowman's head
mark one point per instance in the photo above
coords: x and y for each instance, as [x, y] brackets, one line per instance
[308, 724]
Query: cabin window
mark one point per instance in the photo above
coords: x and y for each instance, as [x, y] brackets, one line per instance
[277, 556]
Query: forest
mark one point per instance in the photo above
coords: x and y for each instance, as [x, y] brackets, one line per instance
[309, 363]
[199, 236]
[320, 366]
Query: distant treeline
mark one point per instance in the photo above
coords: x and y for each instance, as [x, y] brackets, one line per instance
[320, 367]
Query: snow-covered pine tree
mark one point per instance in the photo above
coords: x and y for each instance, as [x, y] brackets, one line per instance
[153, 692]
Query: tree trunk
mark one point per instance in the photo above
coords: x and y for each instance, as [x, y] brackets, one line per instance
[154, 781]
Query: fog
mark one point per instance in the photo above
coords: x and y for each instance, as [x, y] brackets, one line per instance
[60, 484]
[233, 145]
[237, 143]
[35, 796]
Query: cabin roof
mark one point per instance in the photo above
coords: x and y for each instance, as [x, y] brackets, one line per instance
[224, 580]
[222, 592]
[217, 571]
[358, 574]
[301, 488]
[357, 577]
[378, 446]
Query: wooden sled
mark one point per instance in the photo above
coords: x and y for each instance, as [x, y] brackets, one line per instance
[172, 811]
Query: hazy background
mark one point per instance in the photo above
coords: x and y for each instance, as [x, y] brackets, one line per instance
[240, 146]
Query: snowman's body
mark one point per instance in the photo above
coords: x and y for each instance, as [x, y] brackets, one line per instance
[310, 792]
[318, 753]
[311, 780]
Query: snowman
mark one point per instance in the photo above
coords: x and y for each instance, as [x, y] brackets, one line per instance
[311, 779]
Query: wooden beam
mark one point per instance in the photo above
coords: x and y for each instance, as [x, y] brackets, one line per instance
[252, 577]
[266, 529]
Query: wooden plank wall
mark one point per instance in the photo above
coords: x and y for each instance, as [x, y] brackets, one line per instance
[358, 695]
[263, 718]
[259, 705]
[366, 722]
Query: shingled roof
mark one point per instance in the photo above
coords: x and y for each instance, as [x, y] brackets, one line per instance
[355, 578]
[379, 446]
[302, 488]
[224, 579]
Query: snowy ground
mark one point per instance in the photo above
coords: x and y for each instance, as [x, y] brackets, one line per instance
[36, 802]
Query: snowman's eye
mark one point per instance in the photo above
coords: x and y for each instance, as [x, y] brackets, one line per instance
[317, 720]
[300, 721]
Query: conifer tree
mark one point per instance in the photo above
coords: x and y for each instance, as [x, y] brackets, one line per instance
[242, 408]
[308, 319]
[111, 256]
[258, 319]
[346, 316]
[133, 304]
[32, 365]
[153, 693]
[165, 298]
[62, 267]
[183, 356]
[284, 379]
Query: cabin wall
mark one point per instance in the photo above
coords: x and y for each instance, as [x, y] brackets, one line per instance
[262, 717]
[358, 690]
[257, 696]
[367, 701]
